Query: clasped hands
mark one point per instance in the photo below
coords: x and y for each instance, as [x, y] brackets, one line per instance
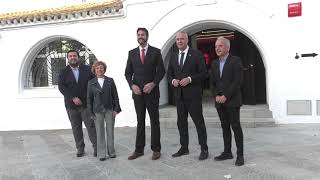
[221, 99]
[77, 101]
[146, 89]
[183, 82]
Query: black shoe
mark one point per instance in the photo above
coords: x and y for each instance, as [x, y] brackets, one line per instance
[80, 153]
[223, 156]
[239, 161]
[203, 155]
[95, 153]
[181, 152]
[102, 159]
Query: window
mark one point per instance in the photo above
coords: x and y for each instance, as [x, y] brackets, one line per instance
[47, 64]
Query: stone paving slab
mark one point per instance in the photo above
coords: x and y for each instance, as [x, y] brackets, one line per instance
[284, 152]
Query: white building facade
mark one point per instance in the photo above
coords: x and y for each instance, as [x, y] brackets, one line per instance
[108, 29]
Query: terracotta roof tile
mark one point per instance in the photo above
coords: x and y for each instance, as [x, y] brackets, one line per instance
[63, 10]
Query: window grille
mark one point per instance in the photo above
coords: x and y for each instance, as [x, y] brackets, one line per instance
[45, 67]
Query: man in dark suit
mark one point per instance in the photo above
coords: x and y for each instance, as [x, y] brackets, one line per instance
[186, 71]
[73, 81]
[226, 81]
[143, 72]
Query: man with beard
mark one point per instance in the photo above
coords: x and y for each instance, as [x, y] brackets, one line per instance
[73, 81]
[143, 72]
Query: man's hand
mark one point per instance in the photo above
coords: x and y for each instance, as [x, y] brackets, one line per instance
[217, 99]
[184, 81]
[136, 90]
[114, 113]
[148, 87]
[175, 82]
[221, 99]
[77, 101]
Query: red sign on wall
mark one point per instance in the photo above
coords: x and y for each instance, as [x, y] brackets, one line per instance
[294, 9]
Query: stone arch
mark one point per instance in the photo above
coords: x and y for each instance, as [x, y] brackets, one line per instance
[30, 57]
[194, 27]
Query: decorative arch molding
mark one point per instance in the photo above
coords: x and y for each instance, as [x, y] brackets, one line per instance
[31, 55]
[197, 26]
[210, 24]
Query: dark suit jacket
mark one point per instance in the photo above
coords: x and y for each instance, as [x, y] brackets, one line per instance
[70, 88]
[229, 84]
[151, 71]
[101, 99]
[194, 67]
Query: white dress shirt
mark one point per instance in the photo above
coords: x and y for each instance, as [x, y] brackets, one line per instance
[101, 81]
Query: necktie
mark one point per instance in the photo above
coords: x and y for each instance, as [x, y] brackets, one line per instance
[142, 55]
[181, 59]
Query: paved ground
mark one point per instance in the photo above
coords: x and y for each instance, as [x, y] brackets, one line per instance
[271, 153]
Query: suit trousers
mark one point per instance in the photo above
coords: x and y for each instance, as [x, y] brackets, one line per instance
[105, 123]
[76, 116]
[230, 116]
[194, 108]
[141, 103]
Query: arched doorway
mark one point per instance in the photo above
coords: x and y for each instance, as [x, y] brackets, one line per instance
[203, 39]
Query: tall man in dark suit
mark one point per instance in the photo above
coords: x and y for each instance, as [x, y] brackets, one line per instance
[186, 71]
[226, 81]
[143, 72]
[73, 81]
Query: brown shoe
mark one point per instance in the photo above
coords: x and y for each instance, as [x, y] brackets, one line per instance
[135, 155]
[156, 155]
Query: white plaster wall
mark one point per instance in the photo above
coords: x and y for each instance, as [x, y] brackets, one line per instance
[42, 108]
[277, 37]
[297, 79]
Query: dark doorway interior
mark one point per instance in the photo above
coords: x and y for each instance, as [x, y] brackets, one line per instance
[254, 84]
